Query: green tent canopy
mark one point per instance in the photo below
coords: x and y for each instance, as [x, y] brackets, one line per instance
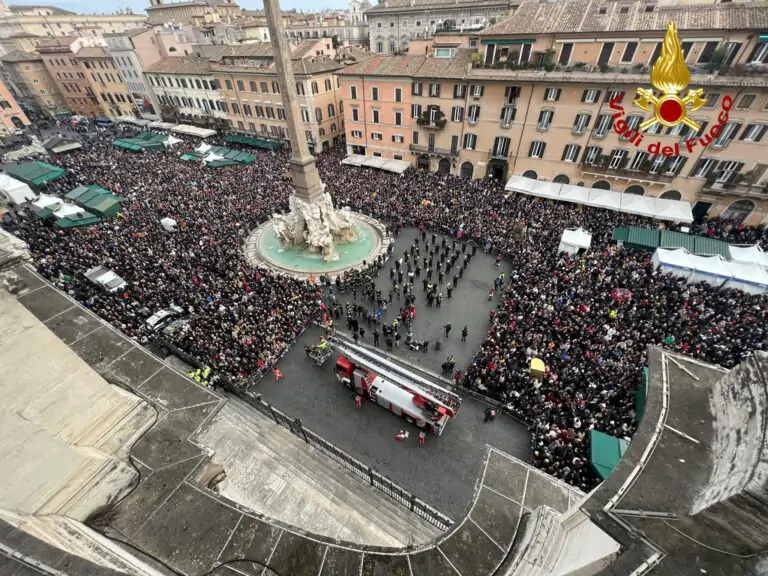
[605, 452]
[80, 220]
[35, 173]
[222, 163]
[77, 192]
[231, 157]
[706, 246]
[189, 157]
[670, 239]
[620, 234]
[103, 206]
[643, 238]
[149, 141]
[44, 213]
[255, 142]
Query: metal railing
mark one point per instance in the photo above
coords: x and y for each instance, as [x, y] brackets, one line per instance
[374, 478]
[433, 150]
[625, 173]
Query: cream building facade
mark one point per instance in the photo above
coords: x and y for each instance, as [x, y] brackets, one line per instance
[105, 80]
[31, 83]
[12, 117]
[194, 12]
[536, 101]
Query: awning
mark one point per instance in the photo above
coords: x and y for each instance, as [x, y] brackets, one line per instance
[35, 173]
[703, 245]
[78, 220]
[670, 239]
[157, 125]
[255, 142]
[749, 255]
[68, 147]
[575, 239]
[387, 164]
[605, 452]
[15, 191]
[643, 238]
[193, 131]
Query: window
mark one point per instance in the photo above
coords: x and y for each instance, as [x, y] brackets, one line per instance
[657, 163]
[571, 153]
[398, 139]
[415, 137]
[617, 159]
[726, 171]
[739, 210]
[398, 94]
[629, 52]
[416, 88]
[353, 92]
[676, 130]
[355, 114]
[603, 125]
[318, 114]
[379, 45]
[477, 90]
[280, 114]
[590, 96]
[614, 95]
[675, 165]
[264, 88]
[415, 110]
[691, 133]
[705, 56]
[305, 115]
[376, 136]
[656, 53]
[328, 85]
[704, 167]
[474, 114]
[605, 53]
[434, 90]
[545, 120]
[728, 134]
[331, 111]
[357, 134]
[581, 123]
[228, 84]
[552, 94]
[759, 54]
[459, 90]
[240, 85]
[375, 116]
[537, 149]
[271, 112]
[500, 147]
[565, 54]
[711, 100]
[753, 133]
[374, 93]
[508, 114]
[457, 114]
[398, 118]
[511, 94]
[247, 110]
[470, 140]
[745, 102]
[632, 123]
[432, 114]
[637, 160]
[592, 154]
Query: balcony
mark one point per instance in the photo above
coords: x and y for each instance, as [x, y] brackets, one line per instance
[737, 188]
[498, 154]
[432, 151]
[624, 173]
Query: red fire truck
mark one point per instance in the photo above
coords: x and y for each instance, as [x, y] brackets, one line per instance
[395, 388]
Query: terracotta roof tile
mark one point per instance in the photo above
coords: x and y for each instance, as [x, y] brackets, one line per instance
[180, 65]
[389, 6]
[19, 56]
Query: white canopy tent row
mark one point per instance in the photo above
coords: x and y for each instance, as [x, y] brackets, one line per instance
[15, 191]
[193, 131]
[45, 200]
[714, 270]
[158, 125]
[387, 164]
[203, 148]
[749, 255]
[658, 208]
[575, 239]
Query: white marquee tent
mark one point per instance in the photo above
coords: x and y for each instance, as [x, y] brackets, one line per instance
[203, 148]
[659, 208]
[171, 140]
[211, 157]
[15, 191]
[749, 278]
[675, 261]
[749, 255]
[46, 200]
[193, 131]
[711, 269]
[387, 164]
[575, 239]
[66, 210]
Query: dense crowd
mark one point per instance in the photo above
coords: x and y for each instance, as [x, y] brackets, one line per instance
[590, 318]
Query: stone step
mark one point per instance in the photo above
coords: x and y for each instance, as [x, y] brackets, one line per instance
[285, 463]
[539, 549]
[121, 437]
[108, 420]
[99, 482]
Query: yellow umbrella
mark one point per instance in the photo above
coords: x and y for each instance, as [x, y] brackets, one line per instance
[538, 369]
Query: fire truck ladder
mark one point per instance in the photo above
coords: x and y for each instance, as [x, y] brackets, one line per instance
[399, 375]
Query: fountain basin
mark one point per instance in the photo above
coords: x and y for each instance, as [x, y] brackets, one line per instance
[263, 248]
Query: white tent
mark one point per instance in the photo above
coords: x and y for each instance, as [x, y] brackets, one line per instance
[607, 199]
[45, 200]
[749, 255]
[575, 194]
[171, 140]
[15, 191]
[635, 204]
[545, 189]
[193, 131]
[749, 278]
[676, 261]
[386, 164]
[67, 210]
[203, 148]
[169, 224]
[575, 239]
[520, 184]
[711, 269]
[673, 210]
[211, 157]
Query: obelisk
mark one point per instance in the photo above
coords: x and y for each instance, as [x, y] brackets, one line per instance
[306, 180]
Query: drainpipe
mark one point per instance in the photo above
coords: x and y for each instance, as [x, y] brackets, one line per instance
[522, 131]
[365, 118]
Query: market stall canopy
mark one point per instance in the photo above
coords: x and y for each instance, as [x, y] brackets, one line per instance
[710, 269]
[672, 210]
[46, 200]
[212, 157]
[575, 239]
[204, 148]
[35, 173]
[253, 141]
[171, 141]
[747, 277]
[97, 200]
[605, 452]
[158, 125]
[105, 277]
[575, 194]
[386, 164]
[749, 255]
[606, 199]
[15, 191]
[66, 210]
[80, 220]
[193, 131]
[538, 368]
[149, 141]
[675, 261]
[640, 205]
[133, 120]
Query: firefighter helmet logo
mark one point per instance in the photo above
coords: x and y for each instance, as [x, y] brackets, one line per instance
[670, 76]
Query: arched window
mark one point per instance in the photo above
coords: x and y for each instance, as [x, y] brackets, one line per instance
[423, 162]
[444, 166]
[333, 127]
[579, 183]
[739, 210]
[467, 170]
[635, 189]
[314, 88]
[601, 185]
[531, 174]
[331, 110]
[671, 195]
[561, 179]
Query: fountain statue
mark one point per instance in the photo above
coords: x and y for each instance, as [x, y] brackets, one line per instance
[316, 225]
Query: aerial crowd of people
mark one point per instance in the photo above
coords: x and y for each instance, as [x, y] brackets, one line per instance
[589, 317]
